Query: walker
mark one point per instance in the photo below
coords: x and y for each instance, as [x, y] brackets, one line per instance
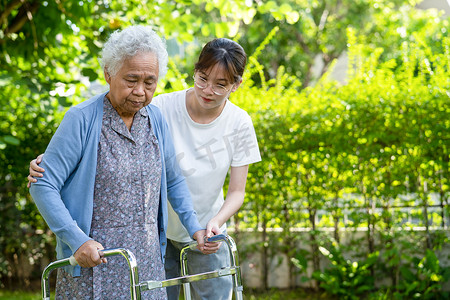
[137, 287]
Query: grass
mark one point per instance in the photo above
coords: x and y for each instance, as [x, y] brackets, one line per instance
[284, 294]
[273, 294]
[18, 295]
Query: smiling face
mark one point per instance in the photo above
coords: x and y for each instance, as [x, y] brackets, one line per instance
[133, 86]
[214, 76]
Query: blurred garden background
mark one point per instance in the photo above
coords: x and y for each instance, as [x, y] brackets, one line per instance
[351, 104]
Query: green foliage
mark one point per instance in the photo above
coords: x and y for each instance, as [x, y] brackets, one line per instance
[274, 294]
[425, 280]
[45, 48]
[280, 294]
[19, 296]
[343, 156]
[314, 31]
[345, 278]
[369, 147]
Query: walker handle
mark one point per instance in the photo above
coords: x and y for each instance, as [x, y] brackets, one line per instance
[73, 261]
[214, 239]
[127, 254]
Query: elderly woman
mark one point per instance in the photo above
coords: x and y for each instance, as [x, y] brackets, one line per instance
[109, 170]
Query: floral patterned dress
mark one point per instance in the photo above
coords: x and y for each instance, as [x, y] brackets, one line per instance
[126, 201]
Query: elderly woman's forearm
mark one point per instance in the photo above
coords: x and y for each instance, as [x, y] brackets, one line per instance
[57, 216]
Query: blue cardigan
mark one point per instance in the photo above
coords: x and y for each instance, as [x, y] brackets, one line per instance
[65, 194]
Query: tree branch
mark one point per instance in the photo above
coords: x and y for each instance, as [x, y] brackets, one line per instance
[323, 20]
[302, 42]
[25, 13]
[8, 9]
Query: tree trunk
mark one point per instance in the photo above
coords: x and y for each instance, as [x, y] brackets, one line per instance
[314, 246]
[335, 215]
[264, 264]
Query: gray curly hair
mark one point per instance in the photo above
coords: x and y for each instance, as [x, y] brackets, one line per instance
[130, 41]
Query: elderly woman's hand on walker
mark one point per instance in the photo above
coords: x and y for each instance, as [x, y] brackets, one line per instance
[87, 255]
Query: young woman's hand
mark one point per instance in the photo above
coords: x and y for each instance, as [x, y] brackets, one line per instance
[35, 170]
[204, 246]
[212, 228]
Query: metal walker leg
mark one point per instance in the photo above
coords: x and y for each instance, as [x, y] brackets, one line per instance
[234, 269]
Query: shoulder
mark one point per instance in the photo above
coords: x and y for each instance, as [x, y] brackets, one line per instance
[168, 99]
[172, 95]
[91, 103]
[89, 107]
[238, 113]
[159, 124]
[84, 115]
[154, 111]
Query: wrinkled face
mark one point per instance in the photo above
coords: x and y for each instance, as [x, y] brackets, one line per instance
[133, 86]
[213, 77]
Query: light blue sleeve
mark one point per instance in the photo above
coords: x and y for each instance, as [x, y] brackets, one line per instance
[60, 160]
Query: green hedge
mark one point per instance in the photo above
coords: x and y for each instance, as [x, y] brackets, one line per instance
[371, 153]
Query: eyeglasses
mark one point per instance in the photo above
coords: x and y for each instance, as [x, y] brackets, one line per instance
[217, 89]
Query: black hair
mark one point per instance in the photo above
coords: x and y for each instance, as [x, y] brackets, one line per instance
[225, 52]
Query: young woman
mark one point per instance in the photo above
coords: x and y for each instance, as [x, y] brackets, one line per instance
[211, 136]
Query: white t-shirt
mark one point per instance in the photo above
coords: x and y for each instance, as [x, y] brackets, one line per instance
[205, 153]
